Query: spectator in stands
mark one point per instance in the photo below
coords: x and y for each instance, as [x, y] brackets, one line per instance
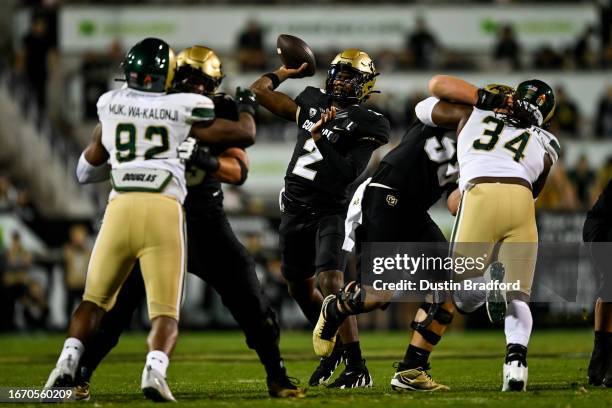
[604, 175]
[251, 52]
[8, 194]
[582, 178]
[76, 258]
[33, 60]
[421, 46]
[584, 50]
[566, 121]
[16, 278]
[558, 193]
[603, 124]
[547, 58]
[35, 306]
[507, 49]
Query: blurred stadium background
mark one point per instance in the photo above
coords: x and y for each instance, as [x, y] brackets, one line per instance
[59, 56]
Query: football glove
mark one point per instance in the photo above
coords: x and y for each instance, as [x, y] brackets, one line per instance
[245, 99]
[489, 100]
[192, 153]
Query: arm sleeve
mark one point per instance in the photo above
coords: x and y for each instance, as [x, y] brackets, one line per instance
[424, 109]
[351, 165]
[86, 173]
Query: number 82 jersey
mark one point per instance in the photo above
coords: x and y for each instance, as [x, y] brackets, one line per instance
[487, 146]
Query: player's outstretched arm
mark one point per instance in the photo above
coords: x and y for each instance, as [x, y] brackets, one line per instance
[93, 164]
[233, 166]
[240, 133]
[453, 89]
[441, 113]
[277, 102]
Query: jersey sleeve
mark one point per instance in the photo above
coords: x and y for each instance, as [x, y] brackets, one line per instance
[225, 107]
[550, 144]
[377, 129]
[307, 97]
[200, 109]
[103, 102]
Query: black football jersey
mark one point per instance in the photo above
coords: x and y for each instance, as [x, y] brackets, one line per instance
[602, 210]
[319, 173]
[423, 166]
[200, 185]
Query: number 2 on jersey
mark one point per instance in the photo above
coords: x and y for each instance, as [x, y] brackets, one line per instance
[307, 159]
[126, 149]
[517, 145]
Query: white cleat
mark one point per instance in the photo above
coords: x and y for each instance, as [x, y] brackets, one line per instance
[515, 376]
[63, 374]
[154, 386]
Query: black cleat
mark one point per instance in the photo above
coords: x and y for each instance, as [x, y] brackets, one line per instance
[597, 365]
[356, 376]
[283, 386]
[326, 368]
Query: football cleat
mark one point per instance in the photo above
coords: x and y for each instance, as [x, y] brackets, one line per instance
[324, 333]
[415, 379]
[283, 386]
[353, 377]
[154, 386]
[81, 391]
[63, 374]
[326, 368]
[496, 298]
[515, 376]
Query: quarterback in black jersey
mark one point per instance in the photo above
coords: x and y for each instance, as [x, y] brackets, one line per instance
[313, 202]
[597, 234]
[214, 252]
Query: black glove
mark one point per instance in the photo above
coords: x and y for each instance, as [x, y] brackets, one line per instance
[192, 153]
[245, 99]
[490, 100]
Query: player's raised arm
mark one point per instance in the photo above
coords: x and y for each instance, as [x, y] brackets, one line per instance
[92, 166]
[277, 102]
[440, 113]
[240, 133]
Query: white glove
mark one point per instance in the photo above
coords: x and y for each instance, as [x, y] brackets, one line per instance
[186, 149]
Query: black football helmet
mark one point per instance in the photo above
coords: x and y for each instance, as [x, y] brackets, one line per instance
[149, 66]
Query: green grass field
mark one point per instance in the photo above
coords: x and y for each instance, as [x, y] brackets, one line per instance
[216, 369]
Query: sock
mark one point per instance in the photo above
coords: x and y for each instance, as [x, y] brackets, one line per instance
[415, 357]
[518, 323]
[352, 352]
[516, 352]
[272, 361]
[158, 360]
[73, 349]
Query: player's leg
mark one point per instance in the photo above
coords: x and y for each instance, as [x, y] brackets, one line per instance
[112, 325]
[598, 238]
[162, 256]
[230, 270]
[430, 321]
[518, 255]
[110, 263]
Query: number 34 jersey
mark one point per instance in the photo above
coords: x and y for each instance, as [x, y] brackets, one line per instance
[319, 173]
[489, 147]
[143, 129]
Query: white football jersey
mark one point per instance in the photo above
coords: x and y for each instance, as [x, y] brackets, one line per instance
[141, 130]
[489, 147]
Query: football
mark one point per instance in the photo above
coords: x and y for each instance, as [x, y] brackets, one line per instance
[293, 52]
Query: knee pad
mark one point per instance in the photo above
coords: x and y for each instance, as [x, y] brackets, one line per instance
[436, 312]
[351, 299]
[263, 332]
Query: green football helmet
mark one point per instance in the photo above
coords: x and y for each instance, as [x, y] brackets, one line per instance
[534, 102]
[149, 66]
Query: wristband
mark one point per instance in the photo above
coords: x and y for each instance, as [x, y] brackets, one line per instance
[274, 78]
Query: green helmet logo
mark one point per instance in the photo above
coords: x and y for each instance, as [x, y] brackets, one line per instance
[536, 98]
[149, 66]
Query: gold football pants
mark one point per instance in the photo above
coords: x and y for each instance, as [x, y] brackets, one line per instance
[140, 226]
[497, 221]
